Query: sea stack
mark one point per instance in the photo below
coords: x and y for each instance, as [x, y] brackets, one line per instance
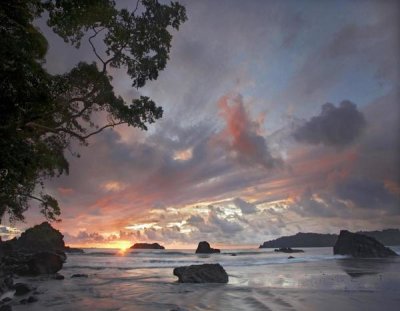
[147, 246]
[360, 246]
[205, 248]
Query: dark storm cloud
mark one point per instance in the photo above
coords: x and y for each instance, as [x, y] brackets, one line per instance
[367, 193]
[335, 126]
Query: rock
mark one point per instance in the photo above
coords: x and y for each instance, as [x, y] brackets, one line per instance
[32, 299]
[79, 275]
[204, 248]
[205, 273]
[147, 246]
[288, 250]
[21, 289]
[39, 250]
[6, 308]
[6, 299]
[290, 257]
[45, 263]
[39, 238]
[58, 276]
[8, 282]
[73, 250]
[360, 246]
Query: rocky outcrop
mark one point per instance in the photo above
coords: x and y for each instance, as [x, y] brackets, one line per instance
[147, 246]
[39, 238]
[288, 250]
[205, 248]
[206, 273]
[360, 246]
[39, 250]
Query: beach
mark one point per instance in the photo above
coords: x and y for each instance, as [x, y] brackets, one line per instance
[259, 279]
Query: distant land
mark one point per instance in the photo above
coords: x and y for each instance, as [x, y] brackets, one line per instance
[386, 237]
[147, 246]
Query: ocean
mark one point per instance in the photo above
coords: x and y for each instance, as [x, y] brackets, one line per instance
[259, 279]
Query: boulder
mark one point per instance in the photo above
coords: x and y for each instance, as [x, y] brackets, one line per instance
[205, 273]
[21, 289]
[205, 248]
[45, 263]
[79, 275]
[288, 250]
[147, 246]
[360, 246]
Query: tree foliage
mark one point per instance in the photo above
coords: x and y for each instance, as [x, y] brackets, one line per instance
[42, 114]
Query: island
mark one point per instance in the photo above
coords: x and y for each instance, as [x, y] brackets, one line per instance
[386, 237]
[147, 246]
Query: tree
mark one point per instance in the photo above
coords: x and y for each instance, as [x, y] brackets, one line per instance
[42, 114]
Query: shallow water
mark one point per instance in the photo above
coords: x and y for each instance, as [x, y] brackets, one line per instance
[259, 279]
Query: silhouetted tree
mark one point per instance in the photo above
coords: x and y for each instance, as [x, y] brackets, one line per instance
[41, 114]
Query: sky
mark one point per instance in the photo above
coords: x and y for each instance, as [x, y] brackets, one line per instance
[279, 117]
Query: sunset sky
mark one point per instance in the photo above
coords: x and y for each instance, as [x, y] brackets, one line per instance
[279, 117]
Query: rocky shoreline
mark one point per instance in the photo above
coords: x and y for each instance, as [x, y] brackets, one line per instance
[39, 250]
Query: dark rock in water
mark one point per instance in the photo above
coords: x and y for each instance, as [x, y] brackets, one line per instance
[147, 246]
[39, 238]
[39, 250]
[73, 250]
[7, 299]
[6, 308]
[21, 289]
[204, 248]
[360, 246]
[9, 282]
[79, 275]
[58, 276]
[32, 299]
[206, 273]
[288, 250]
[290, 257]
[45, 263]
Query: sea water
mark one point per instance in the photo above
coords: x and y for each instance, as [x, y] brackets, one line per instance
[259, 279]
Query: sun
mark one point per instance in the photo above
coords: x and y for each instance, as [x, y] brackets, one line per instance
[123, 246]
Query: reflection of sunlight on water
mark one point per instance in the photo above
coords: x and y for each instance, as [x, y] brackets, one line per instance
[123, 247]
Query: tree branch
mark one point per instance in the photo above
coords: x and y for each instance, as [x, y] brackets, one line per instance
[102, 128]
[96, 32]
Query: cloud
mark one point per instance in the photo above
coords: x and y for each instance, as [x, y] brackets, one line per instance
[368, 193]
[242, 136]
[245, 207]
[226, 226]
[8, 232]
[335, 126]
